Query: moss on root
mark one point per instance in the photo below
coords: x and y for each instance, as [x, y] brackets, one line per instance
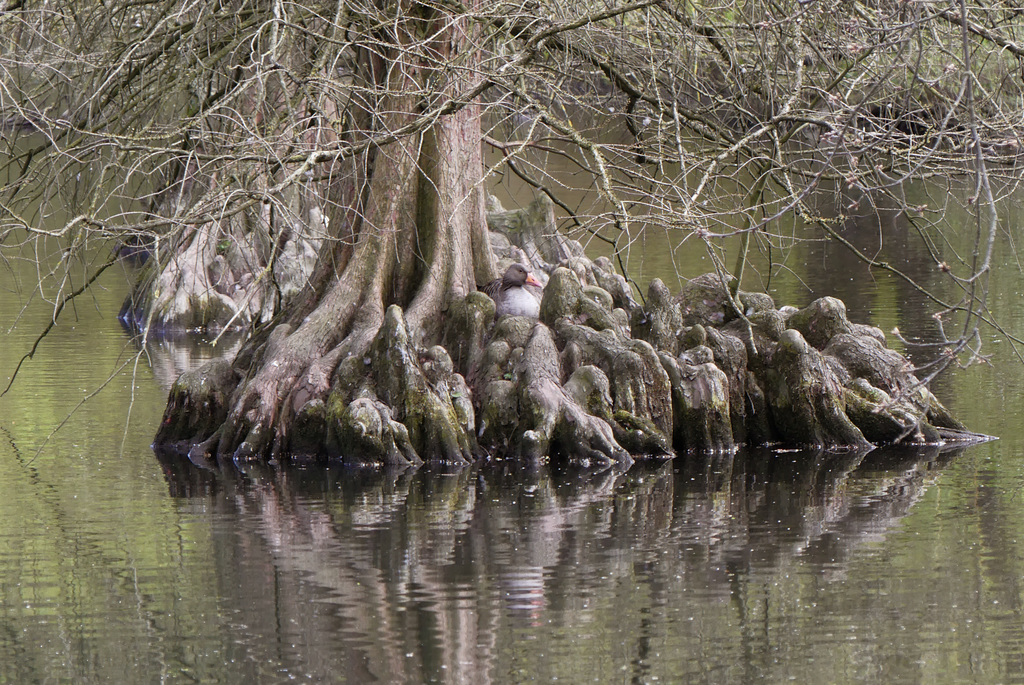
[197, 405]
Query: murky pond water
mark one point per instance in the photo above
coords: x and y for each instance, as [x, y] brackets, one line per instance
[118, 565]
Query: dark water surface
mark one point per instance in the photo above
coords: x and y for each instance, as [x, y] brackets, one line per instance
[117, 565]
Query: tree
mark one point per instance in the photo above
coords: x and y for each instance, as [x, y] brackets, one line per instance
[304, 166]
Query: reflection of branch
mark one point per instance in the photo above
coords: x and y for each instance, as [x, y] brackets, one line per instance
[56, 315]
[81, 403]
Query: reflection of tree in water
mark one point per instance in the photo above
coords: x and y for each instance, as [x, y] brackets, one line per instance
[883, 233]
[436, 576]
[171, 355]
[768, 508]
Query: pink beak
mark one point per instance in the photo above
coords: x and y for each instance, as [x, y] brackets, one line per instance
[530, 280]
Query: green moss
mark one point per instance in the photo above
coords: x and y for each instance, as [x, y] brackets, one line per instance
[638, 435]
[308, 432]
[562, 296]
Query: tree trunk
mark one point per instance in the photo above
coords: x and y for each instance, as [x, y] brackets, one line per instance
[413, 235]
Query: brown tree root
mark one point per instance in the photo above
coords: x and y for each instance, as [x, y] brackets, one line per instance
[700, 395]
[420, 387]
[805, 391]
[224, 274]
[197, 405]
[577, 386]
[551, 420]
[598, 380]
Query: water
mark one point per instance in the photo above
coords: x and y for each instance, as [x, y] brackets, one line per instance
[118, 565]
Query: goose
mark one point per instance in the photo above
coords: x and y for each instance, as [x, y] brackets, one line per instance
[517, 293]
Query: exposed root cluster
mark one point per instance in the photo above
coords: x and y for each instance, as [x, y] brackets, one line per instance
[598, 379]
